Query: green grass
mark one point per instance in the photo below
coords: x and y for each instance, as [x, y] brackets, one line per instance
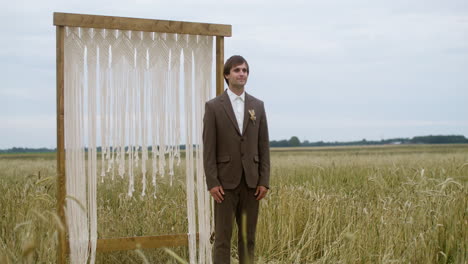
[386, 204]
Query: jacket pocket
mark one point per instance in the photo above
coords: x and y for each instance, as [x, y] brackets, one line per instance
[256, 159]
[223, 159]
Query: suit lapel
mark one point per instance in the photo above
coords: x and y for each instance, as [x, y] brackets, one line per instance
[229, 111]
[247, 106]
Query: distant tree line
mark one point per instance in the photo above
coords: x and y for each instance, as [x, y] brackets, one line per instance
[27, 150]
[295, 142]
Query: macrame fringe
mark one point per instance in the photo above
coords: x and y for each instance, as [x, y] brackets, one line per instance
[136, 76]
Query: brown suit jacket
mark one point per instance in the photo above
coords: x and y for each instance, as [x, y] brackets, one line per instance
[228, 151]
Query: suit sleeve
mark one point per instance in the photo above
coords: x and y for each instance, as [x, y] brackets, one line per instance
[209, 148]
[264, 151]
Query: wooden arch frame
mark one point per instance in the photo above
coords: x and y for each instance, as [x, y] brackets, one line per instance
[61, 20]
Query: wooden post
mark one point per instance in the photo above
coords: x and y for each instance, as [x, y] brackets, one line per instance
[62, 233]
[219, 65]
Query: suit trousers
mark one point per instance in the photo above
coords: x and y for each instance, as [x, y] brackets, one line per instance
[239, 203]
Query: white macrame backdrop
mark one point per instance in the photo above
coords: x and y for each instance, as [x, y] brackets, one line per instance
[122, 89]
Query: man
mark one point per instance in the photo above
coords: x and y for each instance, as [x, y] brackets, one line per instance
[236, 160]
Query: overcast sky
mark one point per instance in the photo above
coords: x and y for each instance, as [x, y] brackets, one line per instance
[326, 69]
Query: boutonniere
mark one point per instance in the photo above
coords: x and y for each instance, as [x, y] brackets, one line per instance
[252, 115]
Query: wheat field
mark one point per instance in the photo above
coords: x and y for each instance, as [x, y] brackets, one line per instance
[386, 204]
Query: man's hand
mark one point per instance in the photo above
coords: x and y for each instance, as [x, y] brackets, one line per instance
[261, 192]
[217, 193]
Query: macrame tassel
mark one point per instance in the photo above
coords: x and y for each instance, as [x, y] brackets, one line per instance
[161, 86]
[91, 74]
[131, 90]
[173, 41]
[190, 180]
[103, 103]
[142, 55]
[77, 222]
[203, 66]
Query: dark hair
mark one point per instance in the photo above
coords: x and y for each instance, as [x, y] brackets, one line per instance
[233, 62]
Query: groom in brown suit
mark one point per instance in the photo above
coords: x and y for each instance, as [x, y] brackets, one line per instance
[237, 161]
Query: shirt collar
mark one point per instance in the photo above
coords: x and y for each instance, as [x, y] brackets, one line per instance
[233, 96]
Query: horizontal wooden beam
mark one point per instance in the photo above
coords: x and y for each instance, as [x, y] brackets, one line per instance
[130, 243]
[139, 24]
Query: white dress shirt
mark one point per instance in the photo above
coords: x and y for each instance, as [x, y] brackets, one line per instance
[238, 102]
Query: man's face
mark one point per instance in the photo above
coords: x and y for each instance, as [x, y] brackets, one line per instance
[238, 76]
